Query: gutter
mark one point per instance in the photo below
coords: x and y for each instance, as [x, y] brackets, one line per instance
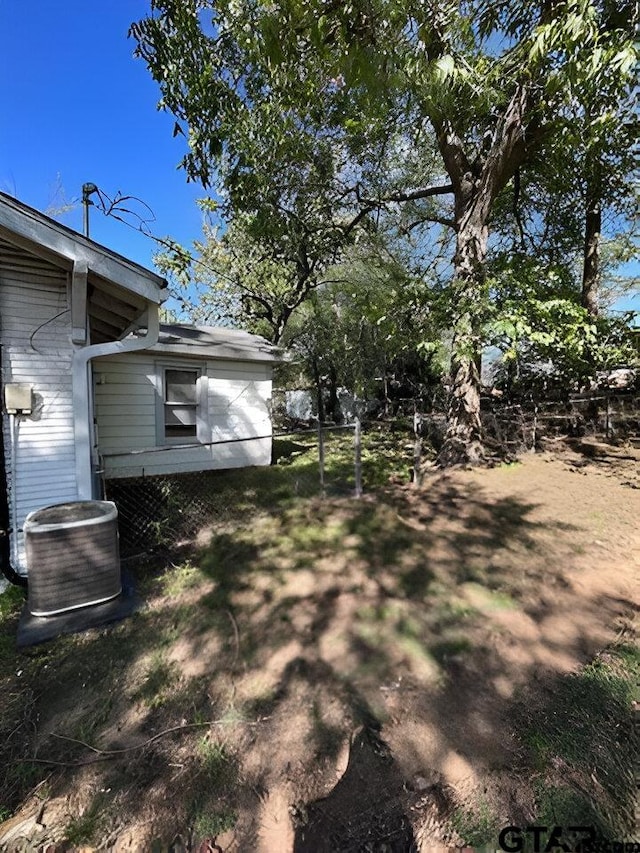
[82, 407]
[82, 426]
[9, 552]
[8, 516]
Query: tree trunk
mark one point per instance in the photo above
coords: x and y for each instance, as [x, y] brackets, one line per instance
[333, 406]
[319, 397]
[476, 184]
[463, 437]
[591, 268]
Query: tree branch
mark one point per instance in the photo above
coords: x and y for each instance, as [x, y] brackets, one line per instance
[510, 145]
[347, 229]
[410, 195]
[423, 192]
[106, 754]
[455, 160]
[438, 220]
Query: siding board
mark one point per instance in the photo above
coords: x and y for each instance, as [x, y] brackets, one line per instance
[37, 350]
[127, 408]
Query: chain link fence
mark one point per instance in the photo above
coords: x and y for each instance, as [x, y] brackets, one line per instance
[162, 510]
[603, 415]
[512, 429]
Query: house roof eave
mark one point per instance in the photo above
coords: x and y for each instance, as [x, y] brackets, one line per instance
[47, 238]
[215, 342]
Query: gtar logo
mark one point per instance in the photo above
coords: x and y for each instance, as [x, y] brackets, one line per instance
[570, 839]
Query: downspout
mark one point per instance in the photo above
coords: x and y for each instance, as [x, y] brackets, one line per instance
[83, 419]
[13, 426]
[8, 537]
[9, 555]
[83, 415]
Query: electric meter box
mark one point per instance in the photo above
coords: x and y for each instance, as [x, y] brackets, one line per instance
[17, 398]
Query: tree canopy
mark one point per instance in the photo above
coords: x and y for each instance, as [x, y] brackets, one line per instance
[306, 114]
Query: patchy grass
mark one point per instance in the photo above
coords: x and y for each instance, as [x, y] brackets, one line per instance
[211, 811]
[179, 578]
[460, 622]
[452, 648]
[160, 675]
[477, 825]
[216, 763]
[11, 602]
[86, 827]
[579, 735]
[210, 824]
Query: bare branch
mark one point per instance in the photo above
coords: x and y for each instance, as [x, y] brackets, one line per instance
[432, 218]
[106, 754]
[369, 208]
[408, 195]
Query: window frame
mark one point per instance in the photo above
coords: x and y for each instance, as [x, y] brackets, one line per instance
[201, 404]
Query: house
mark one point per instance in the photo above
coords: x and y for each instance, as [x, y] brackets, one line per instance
[91, 384]
[198, 399]
[65, 303]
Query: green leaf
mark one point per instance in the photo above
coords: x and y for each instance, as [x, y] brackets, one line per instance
[445, 67]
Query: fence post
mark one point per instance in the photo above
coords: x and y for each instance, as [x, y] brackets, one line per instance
[417, 449]
[608, 416]
[358, 458]
[321, 456]
[534, 428]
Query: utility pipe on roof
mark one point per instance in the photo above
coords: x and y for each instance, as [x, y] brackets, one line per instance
[82, 408]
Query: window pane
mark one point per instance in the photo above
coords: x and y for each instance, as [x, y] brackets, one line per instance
[180, 431]
[180, 386]
[179, 415]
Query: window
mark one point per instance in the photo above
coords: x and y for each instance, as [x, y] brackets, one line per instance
[180, 404]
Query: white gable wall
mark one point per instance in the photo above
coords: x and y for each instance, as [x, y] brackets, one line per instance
[234, 404]
[36, 349]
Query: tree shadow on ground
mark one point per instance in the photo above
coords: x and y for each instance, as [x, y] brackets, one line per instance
[604, 458]
[114, 688]
[365, 810]
[446, 607]
[431, 618]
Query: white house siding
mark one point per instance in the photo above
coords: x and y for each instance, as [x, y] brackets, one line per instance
[36, 349]
[237, 406]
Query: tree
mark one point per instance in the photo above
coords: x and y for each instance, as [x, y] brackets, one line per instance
[609, 124]
[371, 329]
[311, 93]
[244, 280]
[284, 174]
[548, 341]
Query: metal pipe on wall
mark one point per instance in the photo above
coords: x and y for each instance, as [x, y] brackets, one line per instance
[83, 419]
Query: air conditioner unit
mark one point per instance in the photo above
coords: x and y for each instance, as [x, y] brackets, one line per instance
[72, 555]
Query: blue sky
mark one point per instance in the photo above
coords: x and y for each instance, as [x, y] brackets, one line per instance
[77, 107]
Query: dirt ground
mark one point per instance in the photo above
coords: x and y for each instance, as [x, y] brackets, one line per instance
[370, 666]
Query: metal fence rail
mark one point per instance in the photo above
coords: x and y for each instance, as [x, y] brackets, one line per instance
[330, 460]
[161, 510]
[512, 429]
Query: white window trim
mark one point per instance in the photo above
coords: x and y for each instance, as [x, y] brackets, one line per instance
[203, 427]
